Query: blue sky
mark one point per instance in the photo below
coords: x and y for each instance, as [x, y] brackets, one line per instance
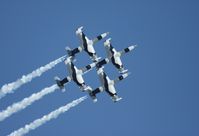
[160, 98]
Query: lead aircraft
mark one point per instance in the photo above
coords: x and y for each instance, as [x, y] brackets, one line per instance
[115, 56]
[87, 44]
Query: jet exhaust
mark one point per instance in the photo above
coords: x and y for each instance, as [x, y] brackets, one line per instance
[10, 87]
[18, 106]
[52, 115]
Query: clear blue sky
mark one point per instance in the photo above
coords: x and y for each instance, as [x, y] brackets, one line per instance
[160, 98]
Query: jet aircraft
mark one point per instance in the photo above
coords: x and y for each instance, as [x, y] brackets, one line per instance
[87, 44]
[107, 84]
[115, 56]
[75, 74]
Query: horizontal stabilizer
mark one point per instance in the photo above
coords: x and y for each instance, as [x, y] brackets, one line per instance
[91, 94]
[59, 84]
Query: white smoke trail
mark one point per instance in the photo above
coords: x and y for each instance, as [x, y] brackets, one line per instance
[15, 107]
[54, 114]
[8, 88]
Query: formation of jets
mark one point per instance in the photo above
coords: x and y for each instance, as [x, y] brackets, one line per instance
[76, 74]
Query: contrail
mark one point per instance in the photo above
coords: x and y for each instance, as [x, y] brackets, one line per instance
[54, 114]
[8, 88]
[15, 107]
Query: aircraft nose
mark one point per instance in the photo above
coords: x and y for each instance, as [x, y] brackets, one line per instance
[79, 30]
[107, 42]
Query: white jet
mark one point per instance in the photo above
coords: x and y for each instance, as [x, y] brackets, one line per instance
[87, 44]
[75, 74]
[115, 56]
[107, 84]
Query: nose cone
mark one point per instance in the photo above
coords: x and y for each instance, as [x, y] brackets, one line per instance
[79, 30]
[81, 27]
[107, 42]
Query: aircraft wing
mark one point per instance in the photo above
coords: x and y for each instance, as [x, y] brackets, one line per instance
[119, 78]
[100, 37]
[87, 68]
[128, 49]
[98, 90]
[102, 62]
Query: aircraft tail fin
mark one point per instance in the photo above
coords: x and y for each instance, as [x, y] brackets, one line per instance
[72, 52]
